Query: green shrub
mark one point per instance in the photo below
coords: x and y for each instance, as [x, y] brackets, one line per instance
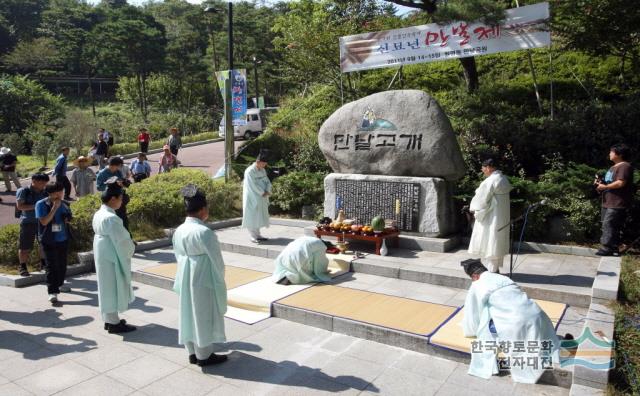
[129, 148]
[281, 149]
[293, 190]
[9, 244]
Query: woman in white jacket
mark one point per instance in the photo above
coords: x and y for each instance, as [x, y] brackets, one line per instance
[491, 209]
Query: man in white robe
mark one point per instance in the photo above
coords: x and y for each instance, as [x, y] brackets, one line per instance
[255, 198]
[199, 282]
[491, 209]
[112, 250]
[302, 261]
[495, 302]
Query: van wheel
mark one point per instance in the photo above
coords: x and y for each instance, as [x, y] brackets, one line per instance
[247, 135]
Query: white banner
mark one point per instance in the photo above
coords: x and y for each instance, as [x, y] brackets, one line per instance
[524, 27]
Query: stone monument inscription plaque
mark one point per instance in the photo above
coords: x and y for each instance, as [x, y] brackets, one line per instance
[363, 200]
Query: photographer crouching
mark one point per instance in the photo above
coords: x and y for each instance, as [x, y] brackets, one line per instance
[617, 191]
[115, 170]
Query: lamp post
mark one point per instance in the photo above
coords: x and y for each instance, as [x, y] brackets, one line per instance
[228, 122]
[256, 62]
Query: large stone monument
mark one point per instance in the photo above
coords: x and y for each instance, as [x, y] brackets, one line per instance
[395, 155]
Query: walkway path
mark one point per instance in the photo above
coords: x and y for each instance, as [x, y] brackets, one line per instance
[207, 157]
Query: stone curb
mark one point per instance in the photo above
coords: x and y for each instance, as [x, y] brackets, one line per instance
[601, 322]
[547, 248]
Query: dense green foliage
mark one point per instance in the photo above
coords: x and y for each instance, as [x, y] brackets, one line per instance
[296, 189]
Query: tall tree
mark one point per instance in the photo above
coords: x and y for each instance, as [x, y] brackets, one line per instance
[19, 20]
[128, 42]
[600, 28]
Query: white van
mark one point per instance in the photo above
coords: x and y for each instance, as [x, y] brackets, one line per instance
[256, 122]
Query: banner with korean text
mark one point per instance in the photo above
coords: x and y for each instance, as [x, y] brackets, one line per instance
[523, 28]
[238, 80]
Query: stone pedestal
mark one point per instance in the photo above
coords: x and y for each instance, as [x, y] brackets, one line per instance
[435, 215]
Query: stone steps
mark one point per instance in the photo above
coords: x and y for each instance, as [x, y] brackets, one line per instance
[423, 272]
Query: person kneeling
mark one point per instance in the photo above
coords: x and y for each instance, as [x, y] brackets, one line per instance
[498, 312]
[199, 282]
[113, 249]
[302, 261]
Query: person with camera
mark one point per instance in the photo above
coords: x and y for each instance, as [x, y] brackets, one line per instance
[617, 191]
[115, 170]
[53, 216]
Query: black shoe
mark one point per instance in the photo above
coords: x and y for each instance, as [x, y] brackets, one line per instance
[193, 359]
[262, 239]
[213, 359]
[120, 328]
[604, 252]
[23, 270]
[106, 325]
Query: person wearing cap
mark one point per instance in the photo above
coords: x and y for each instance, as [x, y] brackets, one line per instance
[143, 140]
[26, 199]
[53, 216]
[174, 142]
[8, 163]
[491, 208]
[60, 172]
[168, 160]
[83, 177]
[497, 310]
[255, 197]
[199, 282]
[302, 261]
[140, 168]
[113, 249]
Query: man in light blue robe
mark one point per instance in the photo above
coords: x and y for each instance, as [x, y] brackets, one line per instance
[199, 282]
[112, 251]
[302, 261]
[255, 197]
[495, 302]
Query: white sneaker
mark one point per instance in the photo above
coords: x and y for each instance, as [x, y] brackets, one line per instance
[53, 298]
[64, 289]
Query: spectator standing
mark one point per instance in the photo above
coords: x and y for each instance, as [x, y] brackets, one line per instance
[60, 172]
[168, 160]
[101, 151]
[53, 216]
[617, 195]
[26, 199]
[140, 168]
[83, 177]
[174, 141]
[143, 140]
[8, 163]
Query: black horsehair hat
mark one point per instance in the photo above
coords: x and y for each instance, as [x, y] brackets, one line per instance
[263, 155]
[473, 266]
[113, 188]
[194, 198]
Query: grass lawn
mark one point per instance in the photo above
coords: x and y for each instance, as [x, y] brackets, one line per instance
[28, 165]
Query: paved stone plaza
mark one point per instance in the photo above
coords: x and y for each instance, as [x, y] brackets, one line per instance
[64, 350]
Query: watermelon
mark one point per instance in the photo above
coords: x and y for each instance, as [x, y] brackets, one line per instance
[377, 223]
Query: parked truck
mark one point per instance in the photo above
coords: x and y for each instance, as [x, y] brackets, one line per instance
[256, 123]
